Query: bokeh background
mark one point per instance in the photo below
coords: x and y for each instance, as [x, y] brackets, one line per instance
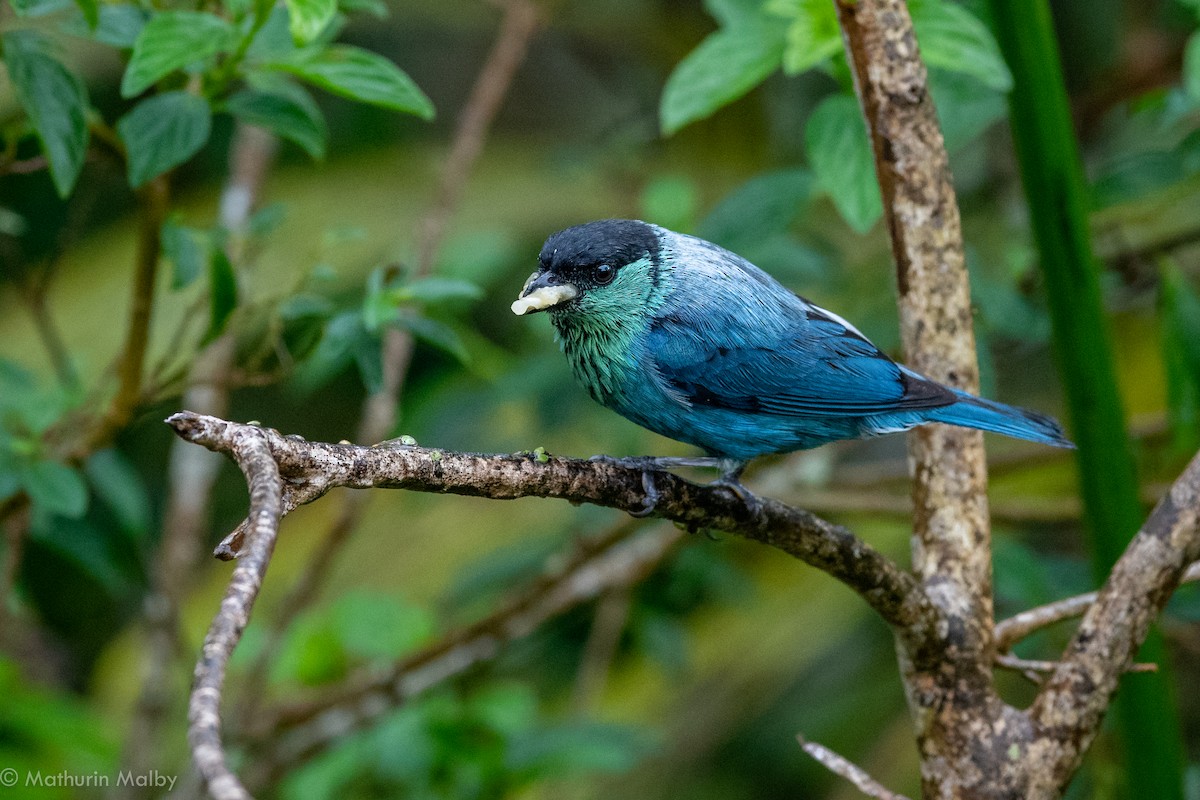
[694, 682]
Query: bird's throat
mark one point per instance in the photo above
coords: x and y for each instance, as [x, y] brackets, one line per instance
[600, 351]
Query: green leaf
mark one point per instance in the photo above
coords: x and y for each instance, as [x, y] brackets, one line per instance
[186, 249]
[763, 206]
[840, 153]
[333, 352]
[307, 18]
[162, 132]
[56, 102]
[953, 38]
[362, 76]
[813, 34]
[378, 626]
[438, 334]
[172, 40]
[1191, 67]
[290, 113]
[55, 488]
[304, 305]
[273, 42]
[724, 67]
[222, 293]
[120, 488]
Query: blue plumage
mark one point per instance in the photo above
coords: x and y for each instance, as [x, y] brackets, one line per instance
[698, 344]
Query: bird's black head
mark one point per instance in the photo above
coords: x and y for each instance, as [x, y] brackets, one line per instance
[578, 260]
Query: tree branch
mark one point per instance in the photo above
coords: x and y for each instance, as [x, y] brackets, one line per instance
[951, 551]
[891, 591]
[1074, 700]
[192, 473]
[250, 449]
[949, 686]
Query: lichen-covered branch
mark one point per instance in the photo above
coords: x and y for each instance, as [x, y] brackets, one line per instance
[951, 544]
[949, 688]
[891, 591]
[249, 447]
[1075, 698]
[192, 473]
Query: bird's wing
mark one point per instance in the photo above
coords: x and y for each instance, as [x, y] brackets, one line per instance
[814, 364]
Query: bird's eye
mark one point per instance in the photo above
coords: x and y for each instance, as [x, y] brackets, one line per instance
[603, 274]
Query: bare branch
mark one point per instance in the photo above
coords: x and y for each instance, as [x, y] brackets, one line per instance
[951, 549]
[1018, 626]
[1075, 698]
[249, 447]
[892, 592]
[839, 765]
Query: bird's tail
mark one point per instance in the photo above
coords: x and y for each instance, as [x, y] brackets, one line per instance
[987, 415]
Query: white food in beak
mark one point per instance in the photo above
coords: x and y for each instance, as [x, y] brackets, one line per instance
[543, 298]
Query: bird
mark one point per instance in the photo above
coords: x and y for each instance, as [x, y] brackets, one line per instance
[695, 343]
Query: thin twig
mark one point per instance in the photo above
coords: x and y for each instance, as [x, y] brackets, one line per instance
[1018, 626]
[839, 765]
[517, 27]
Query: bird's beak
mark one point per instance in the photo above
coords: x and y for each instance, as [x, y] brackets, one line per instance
[543, 290]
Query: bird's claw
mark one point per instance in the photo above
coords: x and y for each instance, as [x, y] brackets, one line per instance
[650, 502]
[730, 483]
[647, 467]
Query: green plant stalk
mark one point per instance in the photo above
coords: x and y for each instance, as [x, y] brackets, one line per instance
[1053, 178]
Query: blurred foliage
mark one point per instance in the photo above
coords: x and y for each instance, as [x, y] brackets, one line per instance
[727, 649]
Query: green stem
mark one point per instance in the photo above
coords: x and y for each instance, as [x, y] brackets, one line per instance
[1054, 186]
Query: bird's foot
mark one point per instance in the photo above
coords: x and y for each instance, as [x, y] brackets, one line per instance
[731, 480]
[648, 465]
